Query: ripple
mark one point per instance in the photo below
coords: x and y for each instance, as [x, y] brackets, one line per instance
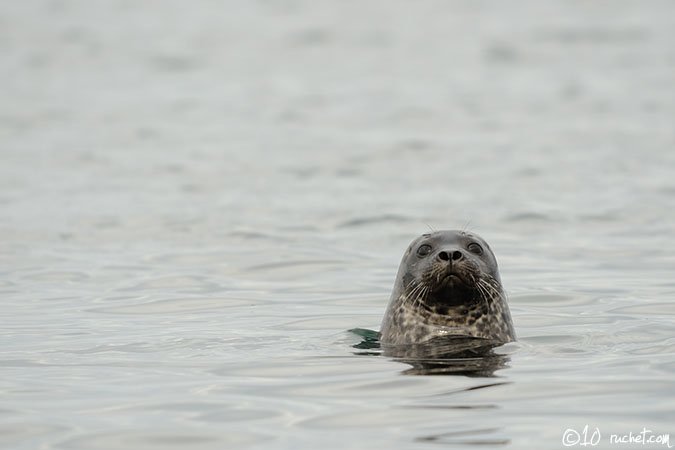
[374, 220]
[56, 275]
[650, 309]
[359, 300]
[162, 440]
[480, 436]
[549, 299]
[17, 433]
[225, 415]
[180, 283]
[312, 367]
[539, 320]
[594, 35]
[282, 265]
[258, 235]
[175, 306]
[375, 417]
[325, 322]
[528, 217]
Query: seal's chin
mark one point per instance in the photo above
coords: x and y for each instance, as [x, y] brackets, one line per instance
[453, 291]
[455, 280]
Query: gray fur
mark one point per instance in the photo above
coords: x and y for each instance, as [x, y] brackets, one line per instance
[451, 291]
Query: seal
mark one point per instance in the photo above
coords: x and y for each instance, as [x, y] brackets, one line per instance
[447, 286]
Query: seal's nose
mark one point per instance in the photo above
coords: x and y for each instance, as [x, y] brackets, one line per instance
[450, 255]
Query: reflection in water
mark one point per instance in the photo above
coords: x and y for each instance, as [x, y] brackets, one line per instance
[447, 355]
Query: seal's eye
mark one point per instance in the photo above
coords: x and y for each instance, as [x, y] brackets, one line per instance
[475, 248]
[424, 250]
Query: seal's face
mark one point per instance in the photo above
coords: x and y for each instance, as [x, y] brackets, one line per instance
[448, 269]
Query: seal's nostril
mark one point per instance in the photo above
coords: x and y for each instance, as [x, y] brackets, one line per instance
[457, 255]
[444, 256]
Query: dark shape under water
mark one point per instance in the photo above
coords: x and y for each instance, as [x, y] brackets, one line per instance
[447, 355]
[371, 340]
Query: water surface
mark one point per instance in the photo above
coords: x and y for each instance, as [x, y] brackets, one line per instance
[198, 202]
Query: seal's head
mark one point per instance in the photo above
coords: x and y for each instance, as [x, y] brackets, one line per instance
[447, 285]
[448, 269]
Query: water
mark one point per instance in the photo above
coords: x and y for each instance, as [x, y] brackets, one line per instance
[198, 201]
